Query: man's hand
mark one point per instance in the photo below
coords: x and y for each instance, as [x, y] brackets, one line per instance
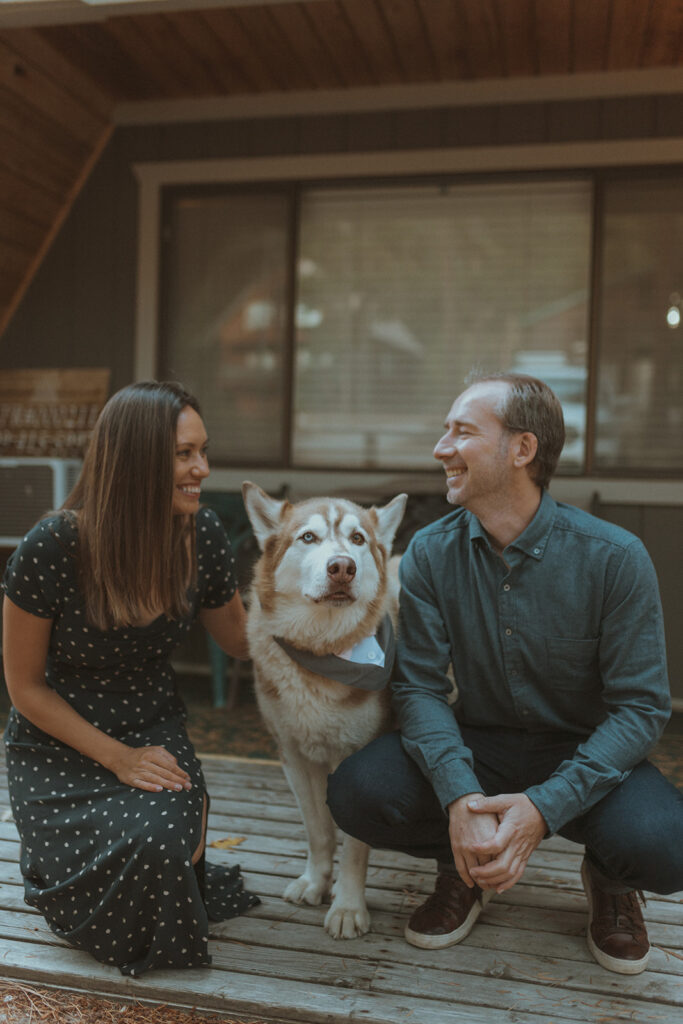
[469, 830]
[503, 857]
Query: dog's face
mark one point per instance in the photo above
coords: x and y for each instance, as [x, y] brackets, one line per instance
[324, 552]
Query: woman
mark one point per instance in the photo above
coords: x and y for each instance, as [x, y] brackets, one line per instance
[106, 790]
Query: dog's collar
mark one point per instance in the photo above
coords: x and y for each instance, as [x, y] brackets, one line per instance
[365, 677]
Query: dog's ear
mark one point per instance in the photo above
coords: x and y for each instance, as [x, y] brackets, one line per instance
[264, 512]
[389, 518]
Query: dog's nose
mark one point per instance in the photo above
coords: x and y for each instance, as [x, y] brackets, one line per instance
[341, 569]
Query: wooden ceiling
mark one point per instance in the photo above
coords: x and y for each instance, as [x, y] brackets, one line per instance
[64, 67]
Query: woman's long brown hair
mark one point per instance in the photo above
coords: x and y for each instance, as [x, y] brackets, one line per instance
[135, 555]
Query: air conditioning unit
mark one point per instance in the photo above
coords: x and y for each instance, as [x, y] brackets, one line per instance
[29, 488]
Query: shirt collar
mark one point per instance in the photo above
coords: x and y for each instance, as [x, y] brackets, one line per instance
[534, 539]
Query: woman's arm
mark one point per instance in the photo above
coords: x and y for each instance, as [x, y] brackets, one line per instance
[25, 645]
[227, 625]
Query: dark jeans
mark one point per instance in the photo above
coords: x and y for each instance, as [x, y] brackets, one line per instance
[633, 836]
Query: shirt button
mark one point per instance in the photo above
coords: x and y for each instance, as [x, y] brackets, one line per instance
[537, 551]
[508, 632]
[506, 586]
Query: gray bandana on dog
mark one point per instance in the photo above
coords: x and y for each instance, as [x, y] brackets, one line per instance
[351, 673]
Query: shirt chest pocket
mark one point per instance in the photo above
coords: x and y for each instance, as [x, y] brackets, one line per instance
[572, 664]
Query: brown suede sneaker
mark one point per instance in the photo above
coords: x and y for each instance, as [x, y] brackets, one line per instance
[448, 915]
[616, 933]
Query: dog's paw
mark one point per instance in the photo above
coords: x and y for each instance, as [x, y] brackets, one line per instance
[303, 890]
[347, 922]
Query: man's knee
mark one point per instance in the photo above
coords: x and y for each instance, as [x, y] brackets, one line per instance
[349, 793]
[639, 837]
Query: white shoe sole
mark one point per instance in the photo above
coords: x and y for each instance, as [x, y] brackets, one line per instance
[425, 941]
[611, 963]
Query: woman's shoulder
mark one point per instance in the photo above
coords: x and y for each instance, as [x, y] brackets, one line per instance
[43, 567]
[55, 534]
[208, 524]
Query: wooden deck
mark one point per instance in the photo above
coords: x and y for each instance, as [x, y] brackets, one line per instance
[525, 962]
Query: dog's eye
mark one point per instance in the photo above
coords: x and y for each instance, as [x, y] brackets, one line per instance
[357, 538]
[308, 537]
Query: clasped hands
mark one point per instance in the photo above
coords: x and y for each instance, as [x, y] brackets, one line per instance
[492, 838]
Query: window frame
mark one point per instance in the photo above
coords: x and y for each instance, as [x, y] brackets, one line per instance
[230, 176]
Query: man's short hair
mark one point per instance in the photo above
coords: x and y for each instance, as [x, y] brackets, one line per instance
[528, 404]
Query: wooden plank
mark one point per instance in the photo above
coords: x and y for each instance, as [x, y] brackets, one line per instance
[273, 47]
[40, 92]
[444, 28]
[405, 22]
[134, 38]
[338, 40]
[590, 34]
[553, 30]
[500, 928]
[296, 28]
[97, 54]
[627, 28]
[233, 992]
[369, 23]
[661, 44]
[48, 172]
[525, 961]
[482, 38]
[54, 228]
[513, 980]
[324, 956]
[518, 27]
[34, 47]
[24, 196]
[14, 258]
[222, 75]
[243, 53]
[38, 131]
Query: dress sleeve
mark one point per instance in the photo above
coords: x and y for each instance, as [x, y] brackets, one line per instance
[36, 572]
[215, 561]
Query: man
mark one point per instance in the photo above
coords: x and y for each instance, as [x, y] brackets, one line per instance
[551, 622]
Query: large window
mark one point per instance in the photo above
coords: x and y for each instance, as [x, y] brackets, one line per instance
[639, 420]
[330, 326]
[224, 316]
[402, 291]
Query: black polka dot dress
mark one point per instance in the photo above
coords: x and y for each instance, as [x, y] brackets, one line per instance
[108, 865]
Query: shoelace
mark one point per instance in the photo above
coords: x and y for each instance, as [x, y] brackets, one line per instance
[627, 910]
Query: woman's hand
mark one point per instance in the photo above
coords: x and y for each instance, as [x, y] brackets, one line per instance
[149, 768]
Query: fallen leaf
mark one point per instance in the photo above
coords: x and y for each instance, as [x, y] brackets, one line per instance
[227, 843]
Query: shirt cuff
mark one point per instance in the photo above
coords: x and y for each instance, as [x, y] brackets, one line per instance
[557, 802]
[453, 780]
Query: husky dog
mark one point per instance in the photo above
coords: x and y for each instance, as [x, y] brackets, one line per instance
[321, 639]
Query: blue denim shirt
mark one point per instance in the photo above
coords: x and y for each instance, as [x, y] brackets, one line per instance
[564, 632]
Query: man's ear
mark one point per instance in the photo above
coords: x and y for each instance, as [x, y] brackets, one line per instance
[526, 446]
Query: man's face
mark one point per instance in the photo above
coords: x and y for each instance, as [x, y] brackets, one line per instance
[475, 451]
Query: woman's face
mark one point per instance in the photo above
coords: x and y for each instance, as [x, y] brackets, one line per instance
[191, 462]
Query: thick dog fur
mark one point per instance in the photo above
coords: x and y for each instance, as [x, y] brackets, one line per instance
[323, 583]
